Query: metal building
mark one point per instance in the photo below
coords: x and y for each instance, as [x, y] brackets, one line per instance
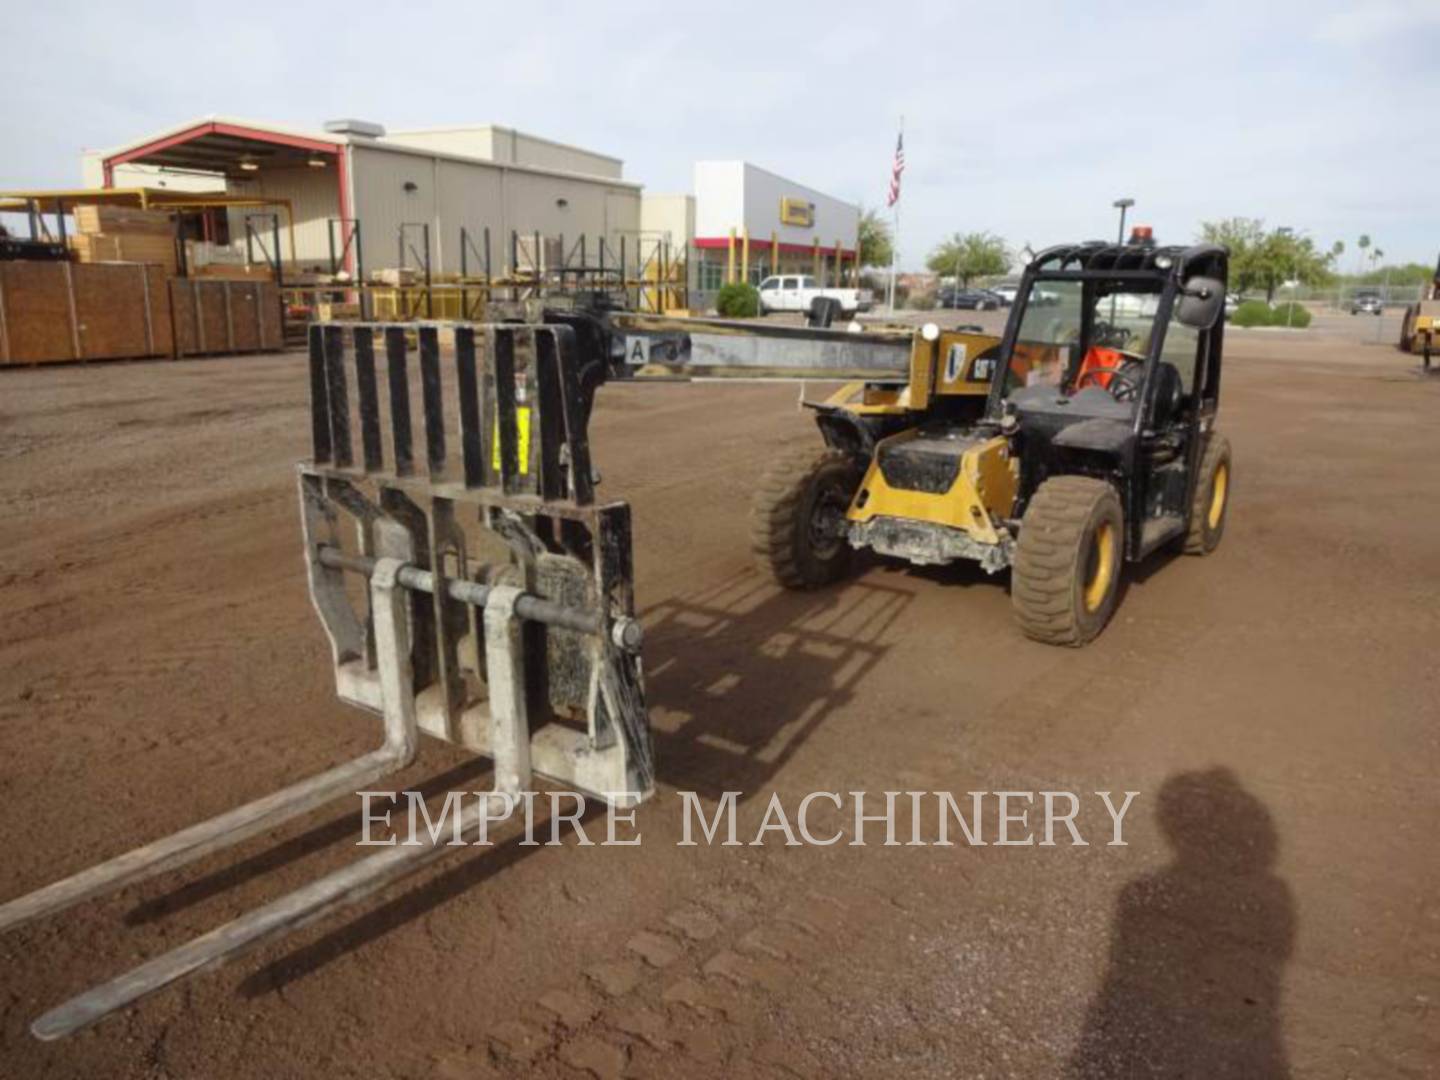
[395, 184]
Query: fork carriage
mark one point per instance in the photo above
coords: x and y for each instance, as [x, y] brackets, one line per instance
[530, 657]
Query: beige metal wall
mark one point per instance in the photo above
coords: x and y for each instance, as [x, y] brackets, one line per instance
[449, 193]
[670, 216]
[314, 198]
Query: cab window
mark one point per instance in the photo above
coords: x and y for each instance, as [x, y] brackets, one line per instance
[770, 283]
[1181, 349]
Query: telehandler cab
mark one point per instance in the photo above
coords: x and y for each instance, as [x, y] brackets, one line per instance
[1082, 439]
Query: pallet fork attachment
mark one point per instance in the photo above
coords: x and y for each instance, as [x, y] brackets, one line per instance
[531, 660]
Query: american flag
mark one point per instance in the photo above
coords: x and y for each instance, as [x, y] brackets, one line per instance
[896, 170]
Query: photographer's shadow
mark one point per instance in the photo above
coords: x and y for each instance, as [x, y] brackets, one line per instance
[1199, 947]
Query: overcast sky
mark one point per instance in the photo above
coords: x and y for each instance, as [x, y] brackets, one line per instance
[1028, 119]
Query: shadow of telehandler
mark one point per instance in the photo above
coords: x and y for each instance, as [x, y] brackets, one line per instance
[740, 675]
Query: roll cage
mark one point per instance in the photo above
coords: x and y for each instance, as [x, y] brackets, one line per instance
[1102, 269]
[1097, 265]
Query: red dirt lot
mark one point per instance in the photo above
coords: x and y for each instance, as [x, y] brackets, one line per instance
[1276, 911]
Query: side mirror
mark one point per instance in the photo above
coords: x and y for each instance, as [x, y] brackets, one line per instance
[1201, 302]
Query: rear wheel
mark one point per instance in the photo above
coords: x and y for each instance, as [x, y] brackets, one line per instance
[798, 530]
[1211, 504]
[1066, 575]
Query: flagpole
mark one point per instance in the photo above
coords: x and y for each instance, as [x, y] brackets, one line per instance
[895, 238]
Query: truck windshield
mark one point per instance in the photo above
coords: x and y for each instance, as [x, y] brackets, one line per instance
[1053, 346]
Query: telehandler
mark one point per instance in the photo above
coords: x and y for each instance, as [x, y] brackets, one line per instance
[1082, 439]
[1420, 326]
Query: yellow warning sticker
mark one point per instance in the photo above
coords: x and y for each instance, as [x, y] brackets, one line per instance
[522, 430]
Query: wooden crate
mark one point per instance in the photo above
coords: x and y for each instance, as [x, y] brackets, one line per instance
[75, 311]
[214, 316]
[122, 219]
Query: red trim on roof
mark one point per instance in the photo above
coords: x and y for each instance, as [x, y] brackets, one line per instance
[756, 243]
[216, 128]
[342, 179]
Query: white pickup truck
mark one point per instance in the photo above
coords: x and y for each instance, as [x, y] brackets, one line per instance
[793, 292]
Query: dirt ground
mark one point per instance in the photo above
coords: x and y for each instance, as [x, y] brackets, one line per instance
[1276, 911]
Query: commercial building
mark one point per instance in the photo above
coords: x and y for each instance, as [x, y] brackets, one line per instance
[751, 223]
[394, 184]
[433, 187]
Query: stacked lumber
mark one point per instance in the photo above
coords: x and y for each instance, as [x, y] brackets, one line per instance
[124, 234]
[227, 272]
[100, 218]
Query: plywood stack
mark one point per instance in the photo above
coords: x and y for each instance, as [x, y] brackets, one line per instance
[125, 234]
[225, 316]
[68, 311]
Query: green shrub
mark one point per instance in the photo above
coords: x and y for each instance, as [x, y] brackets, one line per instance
[738, 300]
[1290, 314]
[921, 301]
[1252, 313]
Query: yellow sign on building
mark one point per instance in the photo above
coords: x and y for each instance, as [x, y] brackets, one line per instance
[797, 212]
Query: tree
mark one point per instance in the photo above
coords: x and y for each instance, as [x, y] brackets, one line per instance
[876, 245]
[977, 254]
[1406, 274]
[1263, 260]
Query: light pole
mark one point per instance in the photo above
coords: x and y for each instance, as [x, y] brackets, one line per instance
[1289, 234]
[1122, 205]
[1384, 293]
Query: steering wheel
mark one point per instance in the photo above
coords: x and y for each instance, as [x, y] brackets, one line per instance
[1122, 386]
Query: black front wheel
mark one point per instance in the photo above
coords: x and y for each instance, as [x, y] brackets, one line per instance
[798, 529]
[1065, 580]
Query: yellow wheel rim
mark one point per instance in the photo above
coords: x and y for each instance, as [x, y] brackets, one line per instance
[1218, 490]
[1102, 572]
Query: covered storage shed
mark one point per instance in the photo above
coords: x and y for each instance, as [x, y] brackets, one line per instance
[475, 177]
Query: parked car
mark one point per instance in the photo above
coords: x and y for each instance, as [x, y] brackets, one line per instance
[1369, 303]
[970, 299]
[794, 292]
[1232, 303]
[1006, 293]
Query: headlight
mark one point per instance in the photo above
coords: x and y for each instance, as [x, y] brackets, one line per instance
[930, 332]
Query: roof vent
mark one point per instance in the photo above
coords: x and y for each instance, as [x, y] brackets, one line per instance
[365, 129]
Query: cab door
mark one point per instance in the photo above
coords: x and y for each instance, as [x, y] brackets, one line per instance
[790, 293]
[1165, 452]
